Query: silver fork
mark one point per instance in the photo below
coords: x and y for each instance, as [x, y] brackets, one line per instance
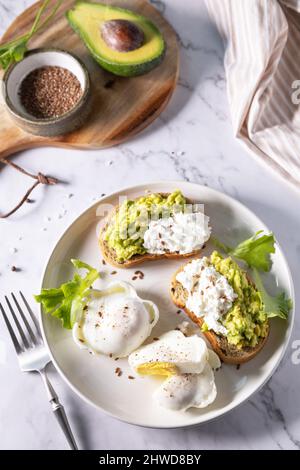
[33, 356]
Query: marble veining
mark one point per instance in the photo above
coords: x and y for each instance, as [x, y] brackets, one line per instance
[192, 141]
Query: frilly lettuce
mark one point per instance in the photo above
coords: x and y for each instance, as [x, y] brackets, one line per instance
[277, 306]
[255, 251]
[66, 301]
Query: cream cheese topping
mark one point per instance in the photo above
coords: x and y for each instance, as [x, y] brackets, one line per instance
[181, 233]
[209, 294]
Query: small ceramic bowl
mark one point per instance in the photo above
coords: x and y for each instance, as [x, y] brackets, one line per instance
[53, 126]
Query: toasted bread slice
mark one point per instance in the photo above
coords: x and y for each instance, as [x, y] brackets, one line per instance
[227, 352]
[110, 257]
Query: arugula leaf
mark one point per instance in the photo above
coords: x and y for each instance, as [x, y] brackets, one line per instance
[13, 51]
[68, 300]
[278, 306]
[255, 251]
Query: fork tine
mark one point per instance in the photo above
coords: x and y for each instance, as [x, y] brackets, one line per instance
[11, 332]
[19, 328]
[32, 315]
[29, 329]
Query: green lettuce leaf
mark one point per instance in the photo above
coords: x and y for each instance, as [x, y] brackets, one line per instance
[278, 306]
[255, 251]
[66, 301]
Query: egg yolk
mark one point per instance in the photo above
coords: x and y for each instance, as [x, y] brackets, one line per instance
[157, 368]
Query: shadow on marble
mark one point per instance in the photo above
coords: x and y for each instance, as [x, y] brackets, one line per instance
[201, 58]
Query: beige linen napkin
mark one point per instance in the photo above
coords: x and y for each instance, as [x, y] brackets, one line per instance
[262, 64]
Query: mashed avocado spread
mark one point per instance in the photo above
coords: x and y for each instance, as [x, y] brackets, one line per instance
[246, 321]
[125, 233]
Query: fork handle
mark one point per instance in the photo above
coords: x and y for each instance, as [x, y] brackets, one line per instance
[59, 411]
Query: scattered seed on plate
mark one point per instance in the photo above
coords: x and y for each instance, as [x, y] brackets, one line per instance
[14, 269]
[134, 278]
[116, 358]
[29, 201]
[131, 377]
[178, 312]
[118, 371]
[140, 274]
[113, 272]
[155, 339]
[238, 366]
[103, 262]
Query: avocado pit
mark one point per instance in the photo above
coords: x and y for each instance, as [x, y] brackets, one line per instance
[122, 35]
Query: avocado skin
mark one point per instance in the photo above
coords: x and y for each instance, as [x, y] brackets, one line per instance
[122, 70]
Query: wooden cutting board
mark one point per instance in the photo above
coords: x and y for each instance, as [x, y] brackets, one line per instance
[119, 112]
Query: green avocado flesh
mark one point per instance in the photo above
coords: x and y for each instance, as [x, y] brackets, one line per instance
[125, 233]
[87, 19]
[246, 321]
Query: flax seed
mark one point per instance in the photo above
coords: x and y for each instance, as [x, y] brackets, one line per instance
[49, 91]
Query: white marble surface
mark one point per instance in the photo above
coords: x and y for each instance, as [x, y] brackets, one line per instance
[197, 123]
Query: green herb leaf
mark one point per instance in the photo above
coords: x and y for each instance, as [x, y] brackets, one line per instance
[13, 51]
[67, 301]
[255, 251]
[18, 52]
[278, 306]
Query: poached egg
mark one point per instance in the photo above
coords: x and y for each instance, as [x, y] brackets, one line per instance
[187, 365]
[115, 321]
[173, 350]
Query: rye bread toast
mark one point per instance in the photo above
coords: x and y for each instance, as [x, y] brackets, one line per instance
[110, 257]
[228, 353]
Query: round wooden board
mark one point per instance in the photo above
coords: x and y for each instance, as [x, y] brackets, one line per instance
[118, 112]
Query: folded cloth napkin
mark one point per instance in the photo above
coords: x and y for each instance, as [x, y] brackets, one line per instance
[262, 64]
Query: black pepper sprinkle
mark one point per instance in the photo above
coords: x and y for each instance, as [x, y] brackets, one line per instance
[49, 91]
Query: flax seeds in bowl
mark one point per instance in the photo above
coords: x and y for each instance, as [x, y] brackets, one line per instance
[49, 91]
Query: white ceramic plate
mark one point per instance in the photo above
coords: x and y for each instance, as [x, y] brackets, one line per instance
[93, 377]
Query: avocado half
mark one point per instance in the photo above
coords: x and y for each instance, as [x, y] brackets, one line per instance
[87, 18]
